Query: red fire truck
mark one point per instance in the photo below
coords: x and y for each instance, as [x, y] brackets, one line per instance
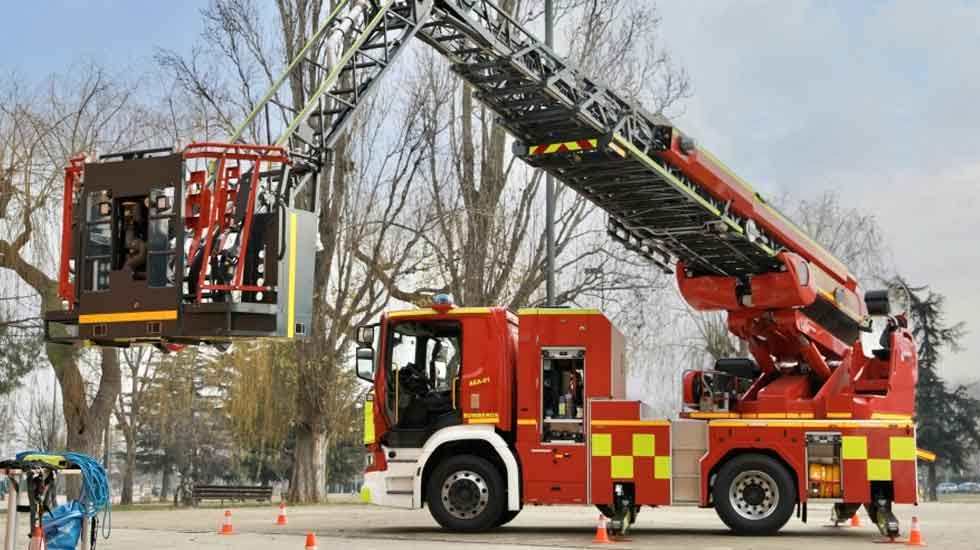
[478, 411]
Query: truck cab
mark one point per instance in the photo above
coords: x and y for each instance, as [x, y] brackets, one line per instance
[442, 385]
[478, 411]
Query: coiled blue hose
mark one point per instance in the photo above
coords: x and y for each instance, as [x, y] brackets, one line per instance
[95, 481]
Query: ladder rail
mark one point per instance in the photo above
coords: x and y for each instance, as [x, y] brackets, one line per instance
[270, 94]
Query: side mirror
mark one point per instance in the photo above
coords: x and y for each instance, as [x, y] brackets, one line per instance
[365, 335]
[365, 364]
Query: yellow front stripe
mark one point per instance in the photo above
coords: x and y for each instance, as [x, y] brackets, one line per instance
[291, 307]
[128, 317]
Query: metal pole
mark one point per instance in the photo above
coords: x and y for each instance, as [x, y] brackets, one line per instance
[549, 39]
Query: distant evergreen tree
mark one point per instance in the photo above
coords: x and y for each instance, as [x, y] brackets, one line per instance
[21, 350]
[947, 419]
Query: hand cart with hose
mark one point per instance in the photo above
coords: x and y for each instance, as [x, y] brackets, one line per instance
[54, 527]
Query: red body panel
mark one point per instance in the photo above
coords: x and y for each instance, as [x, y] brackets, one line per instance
[558, 473]
[717, 180]
[783, 289]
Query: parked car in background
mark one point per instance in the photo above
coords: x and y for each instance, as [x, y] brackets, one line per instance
[946, 488]
[968, 487]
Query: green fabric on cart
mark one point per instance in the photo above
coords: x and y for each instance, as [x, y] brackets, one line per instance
[57, 462]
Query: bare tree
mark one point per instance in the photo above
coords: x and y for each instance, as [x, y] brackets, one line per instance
[852, 235]
[40, 423]
[8, 426]
[130, 410]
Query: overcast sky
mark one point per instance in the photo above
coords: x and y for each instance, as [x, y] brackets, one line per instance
[878, 101]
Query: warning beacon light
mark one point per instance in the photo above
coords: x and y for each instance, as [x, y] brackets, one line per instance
[442, 302]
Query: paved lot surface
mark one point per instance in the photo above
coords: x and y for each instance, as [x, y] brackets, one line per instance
[352, 526]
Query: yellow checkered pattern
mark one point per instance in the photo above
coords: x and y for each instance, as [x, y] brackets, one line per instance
[622, 466]
[855, 447]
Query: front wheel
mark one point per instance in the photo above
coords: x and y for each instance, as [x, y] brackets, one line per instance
[466, 493]
[753, 494]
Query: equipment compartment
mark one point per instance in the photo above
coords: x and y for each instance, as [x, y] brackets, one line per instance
[823, 457]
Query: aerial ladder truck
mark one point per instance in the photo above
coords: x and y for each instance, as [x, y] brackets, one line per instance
[479, 411]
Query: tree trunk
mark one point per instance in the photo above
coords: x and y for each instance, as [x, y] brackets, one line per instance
[127, 488]
[309, 479]
[931, 490]
[86, 423]
[165, 483]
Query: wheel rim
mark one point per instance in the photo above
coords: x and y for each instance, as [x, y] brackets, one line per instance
[754, 495]
[465, 494]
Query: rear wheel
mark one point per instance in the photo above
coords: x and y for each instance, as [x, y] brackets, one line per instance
[753, 494]
[466, 493]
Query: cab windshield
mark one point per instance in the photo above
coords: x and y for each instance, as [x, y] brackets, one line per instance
[423, 363]
[432, 349]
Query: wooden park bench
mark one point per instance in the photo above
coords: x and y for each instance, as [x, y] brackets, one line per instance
[231, 492]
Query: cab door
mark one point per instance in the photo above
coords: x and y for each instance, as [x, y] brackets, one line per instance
[422, 361]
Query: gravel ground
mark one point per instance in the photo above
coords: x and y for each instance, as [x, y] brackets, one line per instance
[354, 526]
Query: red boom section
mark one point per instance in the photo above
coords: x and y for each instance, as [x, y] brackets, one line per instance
[811, 284]
[801, 320]
[716, 178]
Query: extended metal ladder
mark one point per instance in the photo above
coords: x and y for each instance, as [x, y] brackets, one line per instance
[587, 136]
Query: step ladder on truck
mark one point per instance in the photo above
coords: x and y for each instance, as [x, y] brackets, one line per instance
[479, 411]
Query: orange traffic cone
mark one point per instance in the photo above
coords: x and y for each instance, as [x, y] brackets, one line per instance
[310, 541]
[37, 539]
[226, 528]
[601, 536]
[281, 518]
[915, 534]
[856, 520]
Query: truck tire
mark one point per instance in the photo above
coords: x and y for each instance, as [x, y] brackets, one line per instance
[754, 495]
[466, 493]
